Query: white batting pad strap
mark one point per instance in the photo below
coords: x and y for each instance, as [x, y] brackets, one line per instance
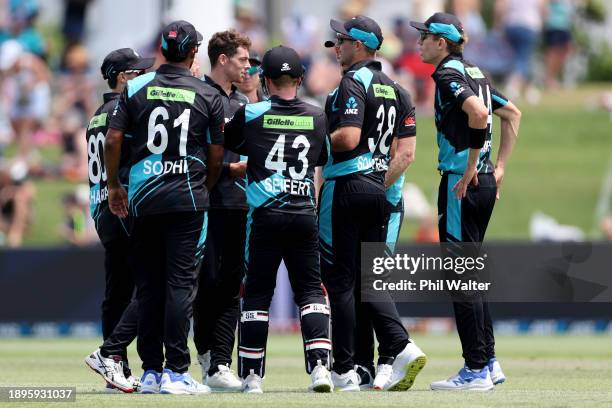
[317, 344]
[254, 316]
[314, 308]
[253, 353]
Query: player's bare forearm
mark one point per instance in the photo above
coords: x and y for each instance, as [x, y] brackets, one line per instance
[345, 139]
[112, 156]
[510, 117]
[215, 165]
[477, 112]
[318, 181]
[401, 158]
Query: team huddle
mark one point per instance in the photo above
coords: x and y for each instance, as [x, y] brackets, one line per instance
[202, 184]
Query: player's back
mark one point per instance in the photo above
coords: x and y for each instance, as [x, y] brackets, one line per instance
[107, 224]
[370, 100]
[173, 118]
[285, 140]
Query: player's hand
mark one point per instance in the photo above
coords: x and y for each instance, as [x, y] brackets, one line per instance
[238, 170]
[118, 201]
[469, 177]
[499, 178]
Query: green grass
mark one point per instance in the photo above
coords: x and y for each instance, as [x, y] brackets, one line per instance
[557, 371]
[557, 168]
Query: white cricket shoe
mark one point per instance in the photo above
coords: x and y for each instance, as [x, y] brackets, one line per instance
[466, 380]
[224, 380]
[406, 366]
[109, 389]
[204, 361]
[346, 382]
[150, 382]
[321, 379]
[497, 375]
[111, 369]
[383, 377]
[366, 380]
[176, 383]
[252, 384]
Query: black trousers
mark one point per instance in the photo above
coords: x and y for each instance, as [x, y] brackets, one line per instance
[353, 211]
[119, 287]
[272, 237]
[217, 305]
[125, 332]
[466, 220]
[364, 339]
[167, 253]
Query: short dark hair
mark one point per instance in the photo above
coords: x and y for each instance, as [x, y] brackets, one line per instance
[284, 81]
[112, 82]
[455, 47]
[226, 42]
[172, 56]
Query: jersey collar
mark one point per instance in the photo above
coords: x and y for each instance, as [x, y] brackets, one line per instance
[173, 69]
[218, 87]
[370, 63]
[110, 96]
[449, 57]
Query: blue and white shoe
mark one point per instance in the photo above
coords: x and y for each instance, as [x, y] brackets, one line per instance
[150, 382]
[497, 375]
[175, 383]
[466, 380]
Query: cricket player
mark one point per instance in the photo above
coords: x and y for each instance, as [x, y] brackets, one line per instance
[174, 126]
[117, 69]
[284, 139]
[217, 303]
[365, 114]
[464, 106]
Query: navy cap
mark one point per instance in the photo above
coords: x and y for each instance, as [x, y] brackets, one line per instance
[178, 38]
[124, 59]
[359, 28]
[280, 61]
[442, 24]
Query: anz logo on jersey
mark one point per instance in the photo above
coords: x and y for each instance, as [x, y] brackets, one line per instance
[351, 107]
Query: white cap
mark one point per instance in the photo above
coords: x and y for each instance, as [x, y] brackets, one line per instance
[10, 51]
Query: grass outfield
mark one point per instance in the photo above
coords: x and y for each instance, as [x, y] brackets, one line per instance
[559, 371]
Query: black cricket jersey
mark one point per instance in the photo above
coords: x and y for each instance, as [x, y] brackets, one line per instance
[285, 140]
[456, 80]
[366, 98]
[229, 192]
[108, 225]
[171, 117]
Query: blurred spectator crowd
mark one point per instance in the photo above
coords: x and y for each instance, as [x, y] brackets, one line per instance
[43, 104]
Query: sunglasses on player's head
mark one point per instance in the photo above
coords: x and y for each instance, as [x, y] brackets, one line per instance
[134, 71]
[253, 71]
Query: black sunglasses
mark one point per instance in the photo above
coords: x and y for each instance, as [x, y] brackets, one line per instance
[341, 39]
[424, 34]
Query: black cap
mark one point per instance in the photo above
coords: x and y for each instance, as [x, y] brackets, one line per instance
[254, 58]
[280, 61]
[360, 28]
[124, 59]
[178, 38]
[443, 24]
